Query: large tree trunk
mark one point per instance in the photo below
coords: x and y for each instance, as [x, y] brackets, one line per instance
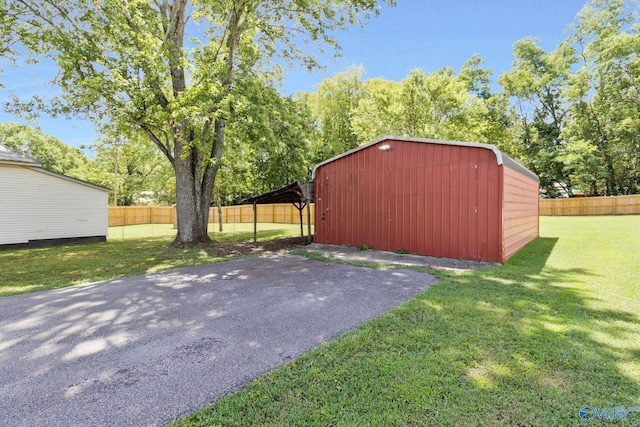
[194, 186]
[190, 203]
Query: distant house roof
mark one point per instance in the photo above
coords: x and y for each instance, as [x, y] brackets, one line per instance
[9, 155]
[13, 157]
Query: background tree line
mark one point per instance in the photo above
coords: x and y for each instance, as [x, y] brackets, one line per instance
[572, 115]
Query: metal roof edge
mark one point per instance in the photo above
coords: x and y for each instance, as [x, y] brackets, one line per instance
[68, 178]
[346, 153]
[500, 156]
[519, 167]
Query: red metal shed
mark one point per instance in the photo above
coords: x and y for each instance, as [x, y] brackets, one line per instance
[428, 197]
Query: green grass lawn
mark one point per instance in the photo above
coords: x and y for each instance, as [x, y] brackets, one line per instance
[526, 344]
[240, 232]
[144, 249]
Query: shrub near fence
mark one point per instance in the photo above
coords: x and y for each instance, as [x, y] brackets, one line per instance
[609, 205]
[275, 213]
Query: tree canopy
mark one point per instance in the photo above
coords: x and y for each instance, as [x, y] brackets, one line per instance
[176, 70]
[191, 81]
[572, 115]
[55, 155]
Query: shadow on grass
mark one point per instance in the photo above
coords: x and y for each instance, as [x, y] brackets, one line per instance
[247, 236]
[522, 344]
[29, 270]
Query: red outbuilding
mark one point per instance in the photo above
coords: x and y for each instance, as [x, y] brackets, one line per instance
[427, 197]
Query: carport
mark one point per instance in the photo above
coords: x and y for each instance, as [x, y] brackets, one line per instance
[299, 193]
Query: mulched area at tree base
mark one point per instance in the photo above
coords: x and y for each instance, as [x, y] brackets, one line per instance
[228, 250]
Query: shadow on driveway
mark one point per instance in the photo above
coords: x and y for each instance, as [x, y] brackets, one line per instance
[149, 349]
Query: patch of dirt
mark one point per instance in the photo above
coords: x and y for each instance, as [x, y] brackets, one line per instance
[228, 250]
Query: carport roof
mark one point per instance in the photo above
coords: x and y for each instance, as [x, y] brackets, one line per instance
[296, 192]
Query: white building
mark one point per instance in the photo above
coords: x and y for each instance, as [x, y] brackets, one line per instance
[42, 208]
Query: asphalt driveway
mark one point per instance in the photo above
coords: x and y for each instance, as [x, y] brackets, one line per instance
[145, 350]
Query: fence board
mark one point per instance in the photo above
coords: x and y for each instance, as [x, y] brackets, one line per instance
[274, 213]
[610, 205]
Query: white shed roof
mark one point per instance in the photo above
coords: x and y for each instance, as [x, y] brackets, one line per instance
[9, 155]
[13, 157]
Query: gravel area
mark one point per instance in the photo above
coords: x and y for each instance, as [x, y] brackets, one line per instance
[344, 253]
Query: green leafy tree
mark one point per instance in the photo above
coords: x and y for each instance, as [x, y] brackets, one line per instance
[134, 169]
[268, 145]
[603, 130]
[174, 70]
[538, 82]
[55, 155]
[378, 111]
[476, 78]
[436, 105]
[332, 105]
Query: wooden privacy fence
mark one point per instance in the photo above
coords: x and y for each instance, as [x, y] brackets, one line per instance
[134, 215]
[609, 205]
[288, 214]
[275, 213]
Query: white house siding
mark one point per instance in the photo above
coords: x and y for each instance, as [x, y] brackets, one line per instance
[36, 205]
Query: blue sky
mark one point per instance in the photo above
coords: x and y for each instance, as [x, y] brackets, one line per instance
[430, 34]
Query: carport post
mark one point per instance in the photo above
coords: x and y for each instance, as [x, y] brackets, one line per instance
[301, 229]
[255, 223]
[308, 220]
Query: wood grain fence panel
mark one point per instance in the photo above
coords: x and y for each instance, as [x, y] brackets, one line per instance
[610, 205]
[275, 213]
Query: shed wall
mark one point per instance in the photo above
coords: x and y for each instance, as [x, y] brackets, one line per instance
[428, 199]
[520, 211]
[37, 206]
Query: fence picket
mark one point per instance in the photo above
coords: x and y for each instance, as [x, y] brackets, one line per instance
[609, 205]
[275, 213]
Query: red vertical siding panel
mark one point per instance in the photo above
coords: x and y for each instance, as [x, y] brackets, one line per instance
[454, 201]
[445, 220]
[500, 208]
[364, 193]
[483, 211]
[419, 180]
[415, 214]
[395, 179]
[430, 201]
[437, 199]
[345, 198]
[488, 209]
[474, 196]
[406, 196]
[520, 211]
[496, 216]
[386, 201]
[463, 205]
[428, 198]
